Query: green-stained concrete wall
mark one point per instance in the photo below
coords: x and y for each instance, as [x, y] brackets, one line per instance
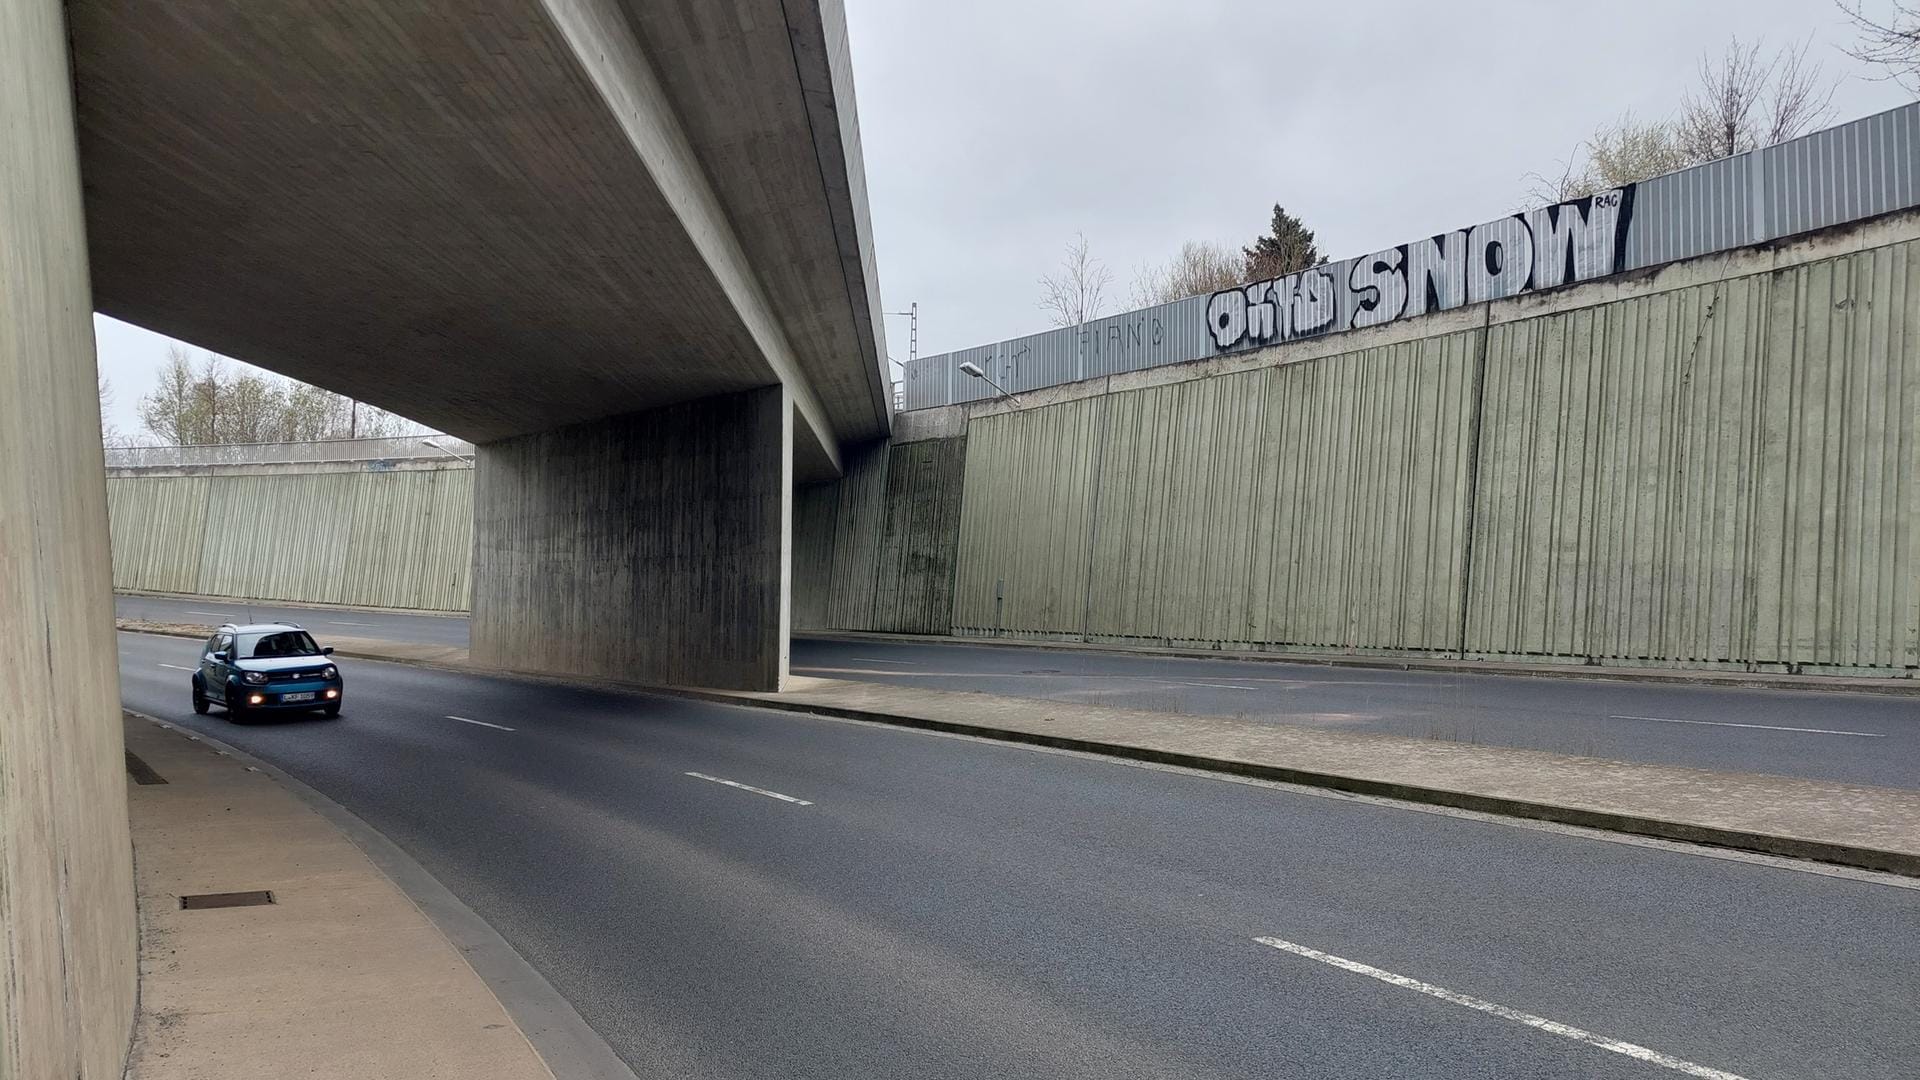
[1715, 463]
[367, 536]
[878, 545]
[68, 948]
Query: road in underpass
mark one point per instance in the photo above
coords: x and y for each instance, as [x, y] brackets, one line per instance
[1851, 737]
[730, 892]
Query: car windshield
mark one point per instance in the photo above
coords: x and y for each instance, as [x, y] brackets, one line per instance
[277, 643]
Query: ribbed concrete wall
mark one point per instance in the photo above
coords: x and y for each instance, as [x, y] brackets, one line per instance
[1729, 472]
[1316, 504]
[368, 537]
[67, 925]
[876, 549]
[1715, 463]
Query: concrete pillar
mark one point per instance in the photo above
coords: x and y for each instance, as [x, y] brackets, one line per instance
[68, 948]
[652, 547]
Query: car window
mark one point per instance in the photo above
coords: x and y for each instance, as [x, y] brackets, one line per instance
[223, 643]
[278, 643]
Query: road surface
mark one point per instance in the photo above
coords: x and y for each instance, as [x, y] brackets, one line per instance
[1856, 738]
[729, 892]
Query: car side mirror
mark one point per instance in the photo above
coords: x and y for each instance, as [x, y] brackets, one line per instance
[220, 656]
[326, 650]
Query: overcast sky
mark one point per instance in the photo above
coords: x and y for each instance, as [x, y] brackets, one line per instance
[996, 129]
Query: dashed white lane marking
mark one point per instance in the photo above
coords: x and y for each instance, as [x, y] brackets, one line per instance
[1632, 1050]
[343, 622]
[215, 614]
[177, 667]
[750, 787]
[877, 660]
[1757, 727]
[480, 723]
[1214, 685]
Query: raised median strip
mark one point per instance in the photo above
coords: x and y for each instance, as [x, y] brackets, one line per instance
[1853, 825]
[1847, 824]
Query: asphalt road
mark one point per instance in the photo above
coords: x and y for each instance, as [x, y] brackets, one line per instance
[940, 907]
[1857, 738]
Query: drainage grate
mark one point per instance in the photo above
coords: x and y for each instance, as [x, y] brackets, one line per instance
[142, 772]
[225, 899]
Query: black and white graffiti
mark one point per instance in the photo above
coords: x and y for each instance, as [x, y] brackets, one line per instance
[1539, 249]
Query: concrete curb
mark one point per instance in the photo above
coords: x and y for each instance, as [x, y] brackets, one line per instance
[1849, 684]
[1864, 858]
[562, 1039]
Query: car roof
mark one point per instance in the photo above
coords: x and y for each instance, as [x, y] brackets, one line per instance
[260, 628]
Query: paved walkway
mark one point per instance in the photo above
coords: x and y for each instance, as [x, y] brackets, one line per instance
[339, 977]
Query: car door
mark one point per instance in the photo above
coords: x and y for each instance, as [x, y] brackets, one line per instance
[213, 673]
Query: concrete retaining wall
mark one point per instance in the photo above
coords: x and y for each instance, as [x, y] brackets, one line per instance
[365, 535]
[876, 550]
[1715, 463]
[67, 928]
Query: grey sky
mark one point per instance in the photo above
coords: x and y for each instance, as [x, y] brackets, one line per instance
[995, 129]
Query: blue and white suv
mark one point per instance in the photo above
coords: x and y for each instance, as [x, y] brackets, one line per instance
[265, 667]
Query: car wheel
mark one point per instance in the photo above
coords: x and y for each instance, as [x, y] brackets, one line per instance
[331, 711]
[200, 702]
[236, 714]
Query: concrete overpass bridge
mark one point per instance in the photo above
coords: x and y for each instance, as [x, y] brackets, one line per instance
[622, 245]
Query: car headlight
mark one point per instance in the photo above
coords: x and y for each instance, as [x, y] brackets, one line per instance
[255, 677]
[329, 672]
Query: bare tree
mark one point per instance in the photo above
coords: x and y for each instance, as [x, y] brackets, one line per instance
[1620, 153]
[1744, 102]
[1891, 43]
[210, 403]
[1199, 268]
[1077, 291]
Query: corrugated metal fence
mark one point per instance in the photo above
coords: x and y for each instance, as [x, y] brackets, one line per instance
[1856, 170]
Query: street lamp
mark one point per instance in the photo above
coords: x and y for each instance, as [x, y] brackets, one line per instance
[970, 368]
[449, 453]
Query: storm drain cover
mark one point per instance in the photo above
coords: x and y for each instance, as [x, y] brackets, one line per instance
[225, 899]
[142, 772]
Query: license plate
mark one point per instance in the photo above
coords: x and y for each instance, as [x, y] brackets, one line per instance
[306, 695]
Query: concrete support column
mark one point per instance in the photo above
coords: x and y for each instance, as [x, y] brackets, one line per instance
[67, 932]
[651, 547]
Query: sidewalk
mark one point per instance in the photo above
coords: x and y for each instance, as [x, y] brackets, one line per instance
[340, 976]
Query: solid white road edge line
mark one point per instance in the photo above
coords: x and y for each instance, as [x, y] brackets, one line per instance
[1758, 727]
[215, 614]
[1632, 1050]
[177, 667]
[479, 723]
[750, 787]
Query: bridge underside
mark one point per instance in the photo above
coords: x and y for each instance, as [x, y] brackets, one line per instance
[517, 221]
